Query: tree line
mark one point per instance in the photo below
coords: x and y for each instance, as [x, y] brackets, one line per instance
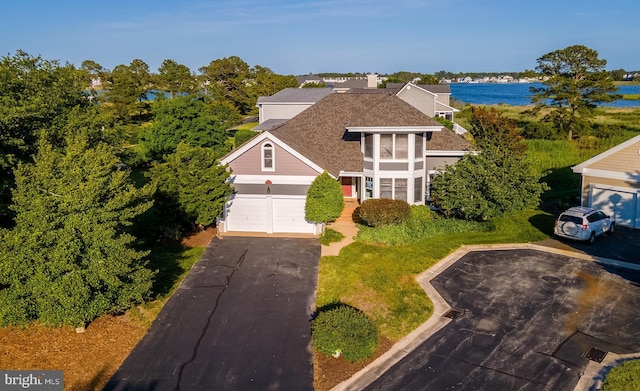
[97, 165]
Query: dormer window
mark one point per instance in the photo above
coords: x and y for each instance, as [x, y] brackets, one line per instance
[268, 163]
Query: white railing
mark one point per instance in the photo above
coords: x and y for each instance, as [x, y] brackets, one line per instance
[459, 129]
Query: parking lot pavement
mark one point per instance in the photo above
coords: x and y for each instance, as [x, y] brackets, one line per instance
[524, 320]
[622, 246]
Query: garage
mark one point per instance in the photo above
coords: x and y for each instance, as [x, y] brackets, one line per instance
[621, 203]
[269, 214]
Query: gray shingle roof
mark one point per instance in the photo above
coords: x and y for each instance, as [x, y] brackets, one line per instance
[296, 95]
[319, 133]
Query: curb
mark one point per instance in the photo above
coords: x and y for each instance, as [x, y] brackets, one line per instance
[592, 376]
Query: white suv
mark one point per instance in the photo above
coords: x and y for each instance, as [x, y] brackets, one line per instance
[583, 223]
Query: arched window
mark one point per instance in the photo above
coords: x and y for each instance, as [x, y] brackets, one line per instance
[268, 161]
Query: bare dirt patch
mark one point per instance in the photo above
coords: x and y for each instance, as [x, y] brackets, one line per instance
[88, 359]
[329, 371]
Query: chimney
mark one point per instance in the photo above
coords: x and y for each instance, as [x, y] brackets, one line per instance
[372, 80]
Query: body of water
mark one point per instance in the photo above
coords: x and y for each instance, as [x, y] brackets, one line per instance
[518, 94]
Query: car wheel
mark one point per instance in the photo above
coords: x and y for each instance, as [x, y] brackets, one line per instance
[612, 229]
[592, 238]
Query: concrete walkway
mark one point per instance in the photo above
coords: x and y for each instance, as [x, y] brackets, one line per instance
[346, 226]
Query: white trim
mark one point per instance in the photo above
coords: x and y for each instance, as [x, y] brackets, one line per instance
[394, 129]
[618, 175]
[580, 168]
[434, 153]
[270, 145]
[275, 179]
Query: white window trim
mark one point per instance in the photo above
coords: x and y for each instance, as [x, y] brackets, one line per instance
[273, 156]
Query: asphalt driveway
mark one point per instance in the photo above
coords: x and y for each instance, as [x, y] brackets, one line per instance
[523, 320]
[239, 321]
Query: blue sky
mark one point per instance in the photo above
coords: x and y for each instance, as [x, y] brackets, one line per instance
[303, 36]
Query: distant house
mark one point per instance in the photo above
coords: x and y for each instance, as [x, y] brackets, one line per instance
[278, 108]
[375, 143]
[611, 182]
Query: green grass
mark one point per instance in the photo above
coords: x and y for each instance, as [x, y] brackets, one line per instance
[631, 96]
[380, 280]
[329, 236]
[172, 263]
[625, 377]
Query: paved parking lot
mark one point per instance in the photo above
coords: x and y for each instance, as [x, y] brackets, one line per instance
[524, 320]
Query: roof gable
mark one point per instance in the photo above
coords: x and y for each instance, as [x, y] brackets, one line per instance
[580, 168]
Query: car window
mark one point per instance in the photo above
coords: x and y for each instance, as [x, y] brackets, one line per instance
[601, 215]
[575, 219]
[593, 217]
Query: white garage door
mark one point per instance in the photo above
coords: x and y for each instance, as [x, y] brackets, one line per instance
[288, 216]
[247, 214]
[268, 214]
[618, 202]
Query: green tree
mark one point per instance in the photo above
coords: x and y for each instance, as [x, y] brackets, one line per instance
[70, 259]
[36, 97]
[428, 79]
[575, 82]
[229, 79]
[486, 185]
[175, 79]
[268, 82]
[127, 91]
[325, 200]
[188, 120]
[192, 179]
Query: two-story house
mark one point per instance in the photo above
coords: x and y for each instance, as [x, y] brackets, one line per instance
[375, 143]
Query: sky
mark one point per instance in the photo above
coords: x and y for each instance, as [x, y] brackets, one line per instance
[314, 36]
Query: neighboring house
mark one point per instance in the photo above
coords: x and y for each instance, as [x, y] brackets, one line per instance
[611, 182]
[276, 109]
[376, 144]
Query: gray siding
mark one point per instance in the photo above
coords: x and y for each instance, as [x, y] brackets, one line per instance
[435, 163]
[394, 166]
[250, 163]
[273, 189]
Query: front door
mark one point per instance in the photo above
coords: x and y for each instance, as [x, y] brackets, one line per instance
[347, 186]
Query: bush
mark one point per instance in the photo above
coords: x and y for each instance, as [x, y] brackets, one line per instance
[242, 136]
[383, 211]
[624, 377]
[325, 200]
[422, 224]
[340, 329]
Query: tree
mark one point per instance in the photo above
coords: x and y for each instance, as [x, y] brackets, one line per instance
[494, 181]
[175, 79]
[428, 79]
[128, 89]
[188, 120]
[491, 128]
[325, 200]
[70, 259]
[486, 185]
[268, 82]
[229, 80]
[36, 97]
[575, 82]
[192, 179]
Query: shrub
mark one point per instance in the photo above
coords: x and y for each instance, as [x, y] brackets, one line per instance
[624, 377]
[340, 329]
[325, 200]
[242, 136]
[383, 211]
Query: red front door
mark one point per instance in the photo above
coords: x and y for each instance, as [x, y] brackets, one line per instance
[347, 188]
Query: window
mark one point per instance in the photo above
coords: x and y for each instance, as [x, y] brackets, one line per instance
[386, 146]
[394, 146]
[368, 145]
[417, 190]
[368, 187]
[386, 187]
[400, 189]
[402, 146]
[267, 157]
[419, 146]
